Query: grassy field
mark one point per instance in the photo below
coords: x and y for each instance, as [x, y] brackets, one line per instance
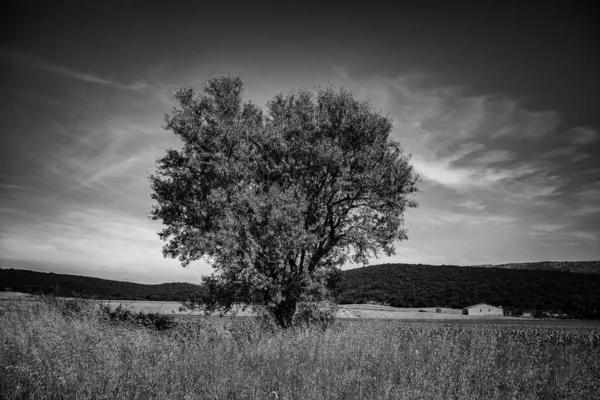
[65, 349]
[352, 311]
[365, 311]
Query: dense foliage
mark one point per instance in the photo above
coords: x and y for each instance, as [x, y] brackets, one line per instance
[88, 287]
[160, 322]
[584, 267]
[278, 202]
[407, 285]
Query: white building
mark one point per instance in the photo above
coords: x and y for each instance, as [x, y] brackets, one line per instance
[483, 309]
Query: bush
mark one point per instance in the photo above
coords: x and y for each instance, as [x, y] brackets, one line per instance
[517, 312]
[320, 314]
[151, 320]
[69, 307]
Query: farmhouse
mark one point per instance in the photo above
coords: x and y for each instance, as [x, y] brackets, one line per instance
[483, 309]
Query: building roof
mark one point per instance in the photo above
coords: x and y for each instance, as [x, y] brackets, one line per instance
[479, 305]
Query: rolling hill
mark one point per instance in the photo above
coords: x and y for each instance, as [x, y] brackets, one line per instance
[521, 287]
[583, 267]
[85, 286]
[408, 285]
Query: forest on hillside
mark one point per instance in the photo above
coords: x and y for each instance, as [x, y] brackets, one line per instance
[88, 287]
[585, 267]
[407, 285]
[398, 285]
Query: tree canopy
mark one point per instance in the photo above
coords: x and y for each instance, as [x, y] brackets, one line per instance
[278, 202]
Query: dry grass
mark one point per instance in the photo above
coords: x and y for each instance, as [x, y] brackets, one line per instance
[50, 351]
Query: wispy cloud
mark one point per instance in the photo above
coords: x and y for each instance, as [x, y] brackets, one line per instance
[494, 156]
[476, 142]
[545, 229]
[573, 146]
[562, 233]
[589, 236]
[476, 205]
[98, 240]
[444, 217]
[34, 61]
[105, 170]
[585, 210]
[507, 166]
[12, 187]
[590, 194]
[561, 151]
[439, 171]
[530, 177]
[582, 135]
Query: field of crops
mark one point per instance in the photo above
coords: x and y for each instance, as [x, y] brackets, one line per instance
[58, 349]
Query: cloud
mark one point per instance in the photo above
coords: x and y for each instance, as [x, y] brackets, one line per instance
[579, 157]
[95, 238]
[413, 255]
[562, 233]
[476, 205]
[473, 143]
[439, 171]
[545, 229]
[561, 151]
[471, 220]
[572, 146]
[585, 210]
[494, 156]
[590, 194]
[507, 166]
[570, 153]
[524, 179]
[450, 115]
[88, 170]
[105, 170]
[12, 187]
[34, 61]
[582, 135]
[585, 202]
[518, 122]
[442, 217]
[108, 157]
[589, 236]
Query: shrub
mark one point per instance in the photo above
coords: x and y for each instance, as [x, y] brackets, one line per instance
[320, 314]
[159, 322]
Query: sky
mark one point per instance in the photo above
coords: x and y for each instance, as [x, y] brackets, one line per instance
[497, 103]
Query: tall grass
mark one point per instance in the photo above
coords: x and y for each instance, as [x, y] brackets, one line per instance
[53, 351]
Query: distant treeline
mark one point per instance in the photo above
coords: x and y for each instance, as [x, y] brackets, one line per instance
[399, 285]
[87, 287]
[585, 267]
[408, 285]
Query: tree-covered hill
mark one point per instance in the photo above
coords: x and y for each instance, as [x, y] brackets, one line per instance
[84, 286]
[407, 285]
[585, 267]
[399, 285]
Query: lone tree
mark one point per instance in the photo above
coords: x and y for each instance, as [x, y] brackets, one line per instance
[278, 202]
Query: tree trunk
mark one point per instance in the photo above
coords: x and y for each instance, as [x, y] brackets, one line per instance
[284, 312]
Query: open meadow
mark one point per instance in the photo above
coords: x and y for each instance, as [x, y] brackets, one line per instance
[352, 311]
[68, 349]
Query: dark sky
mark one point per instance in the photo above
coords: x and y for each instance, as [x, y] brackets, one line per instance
[497, 103]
